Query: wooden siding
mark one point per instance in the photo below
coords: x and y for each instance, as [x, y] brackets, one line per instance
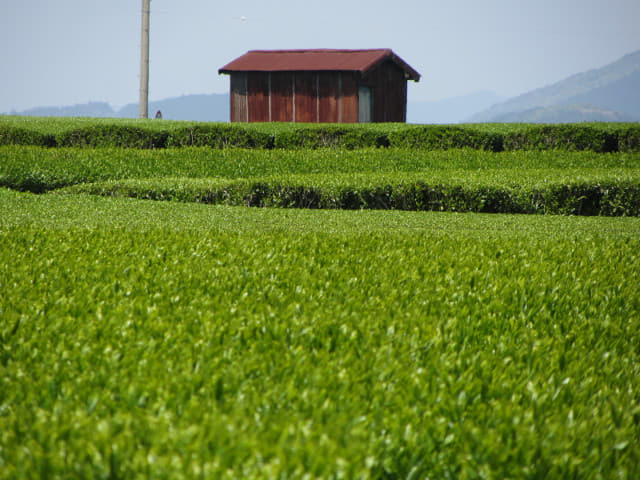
[238, 99]
[349, 98]
[389, 88]
[306, 93]
[281, 97]
[258, 96]
[326, 97]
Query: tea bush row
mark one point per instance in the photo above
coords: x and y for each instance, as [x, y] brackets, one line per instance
[149, 134]
[39, 169]
[91, 212]
[601, 193]
[442, 346]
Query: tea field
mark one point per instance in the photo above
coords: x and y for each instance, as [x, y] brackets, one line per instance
[175, 340]
[565, 182]
[368, 339]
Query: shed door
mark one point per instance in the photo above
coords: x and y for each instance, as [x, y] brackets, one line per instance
[365, 105]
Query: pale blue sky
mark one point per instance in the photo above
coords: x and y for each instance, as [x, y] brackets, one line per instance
[63, 52]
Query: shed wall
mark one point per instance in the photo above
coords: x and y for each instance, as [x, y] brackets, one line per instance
[258, 98]
[281, 97]
[389, 89]
[239, 107]
[326, 97]
[306, 94]
[349, 98]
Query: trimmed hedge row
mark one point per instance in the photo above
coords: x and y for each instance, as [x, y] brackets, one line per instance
[129, 136]
[10, 135]
[336, 136]
[578, 197]
[219, 135]
[445, 137]
[564, 137]
[595, 137]
[40, 169]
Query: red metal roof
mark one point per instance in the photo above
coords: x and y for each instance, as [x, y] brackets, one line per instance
[316, 60]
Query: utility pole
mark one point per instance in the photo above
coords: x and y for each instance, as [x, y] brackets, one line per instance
[144, 61]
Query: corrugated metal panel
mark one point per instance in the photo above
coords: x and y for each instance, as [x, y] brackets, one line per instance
[316, 60]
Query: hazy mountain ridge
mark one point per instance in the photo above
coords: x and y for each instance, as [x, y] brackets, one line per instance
[200, 108]
[215, 108]
[204, 108]
[614, 88]
[565, 114]
[607, 94]
[91, 109]
[451, 110]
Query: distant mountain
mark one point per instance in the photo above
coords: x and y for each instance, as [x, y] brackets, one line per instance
[612, 91]
[91, 109]
[451, 110]
[608, 94]
[203, 108]
[215, 108]
[564, 114]
[200, 108]
[622, 95]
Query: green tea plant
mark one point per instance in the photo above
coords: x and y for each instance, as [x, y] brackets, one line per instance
[599, 137]
[168, 340]
[604, 192]
[41, 169]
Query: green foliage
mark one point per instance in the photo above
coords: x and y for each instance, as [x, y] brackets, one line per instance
[157, 340]
[11, 135]
[219, 135]
[66, 166]
[435, 137]
[181, 340]
[335, 136]
[629, 139]
[52, 131]
[598, 137]
[459, 180]
[602, 193]
[564, 136]
[112, 136]
[90, 212]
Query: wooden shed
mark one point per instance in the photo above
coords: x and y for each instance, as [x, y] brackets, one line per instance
[320, 85]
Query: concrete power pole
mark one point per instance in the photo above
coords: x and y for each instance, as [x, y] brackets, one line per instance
[144, 61]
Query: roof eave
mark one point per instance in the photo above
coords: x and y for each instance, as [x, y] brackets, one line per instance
[410, 73]
[386, 55]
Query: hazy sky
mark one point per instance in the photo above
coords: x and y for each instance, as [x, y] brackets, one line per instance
[64, 52]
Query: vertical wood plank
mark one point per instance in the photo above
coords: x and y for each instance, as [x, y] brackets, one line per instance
[238, 97]
[269, 81]
[281, 93]
[349, 98]
[258, 94]
[327, 97]
[306, 97]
